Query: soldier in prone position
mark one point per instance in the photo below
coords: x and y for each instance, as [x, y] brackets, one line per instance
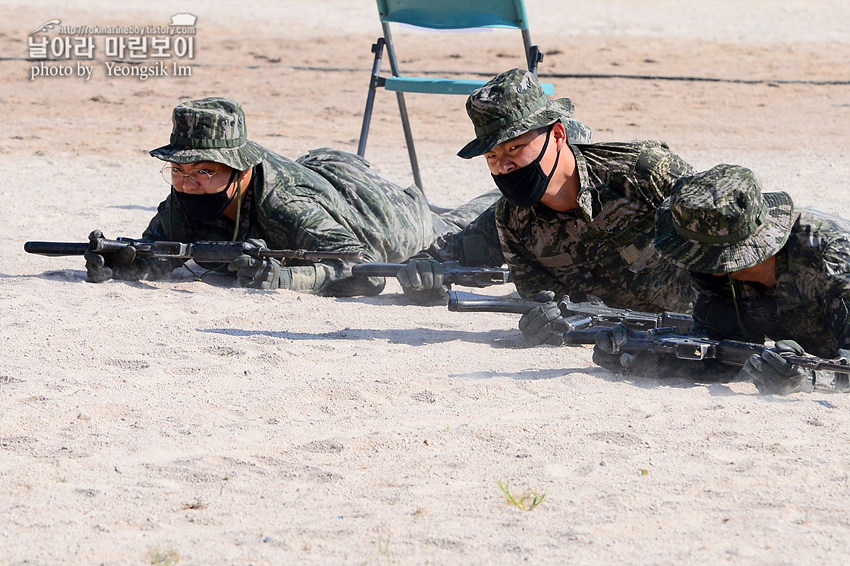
[761, 270]
[576, 218]
[226, 187]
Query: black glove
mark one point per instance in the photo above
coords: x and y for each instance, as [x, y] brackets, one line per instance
[118, 265]
[773, 374]
[254, 272]
[606, 350]
[544, 324]
[607, 353]
[422, 282]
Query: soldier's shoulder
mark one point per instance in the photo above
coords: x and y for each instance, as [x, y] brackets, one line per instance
[818, 230]
[325, 155]
[815, 219]
[503, 208]
[625, 151]
[280, 170]
[633, 145]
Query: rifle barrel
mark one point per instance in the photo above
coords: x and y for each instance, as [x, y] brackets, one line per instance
[56, 249]
[376, 269]
[515, 306]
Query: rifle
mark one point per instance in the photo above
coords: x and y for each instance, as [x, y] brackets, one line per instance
[665, 341]
[452, 273]
[577, 315]
[207, 251]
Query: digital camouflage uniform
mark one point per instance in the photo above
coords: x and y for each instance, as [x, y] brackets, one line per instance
[327, 200]
[478, 243]
[809, 304]
[811, 298]
[719, 222]
[604, 248]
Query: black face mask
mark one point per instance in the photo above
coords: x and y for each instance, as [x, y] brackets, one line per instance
[527, 185]
[205, 207]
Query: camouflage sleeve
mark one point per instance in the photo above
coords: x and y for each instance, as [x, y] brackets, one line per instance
[658, 169]
[839, 314]
[156, 226]
[836, 260]
[305, 223]
[476, 245]
[313, 227]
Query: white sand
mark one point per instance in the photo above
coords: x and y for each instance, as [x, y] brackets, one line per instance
[199, 423]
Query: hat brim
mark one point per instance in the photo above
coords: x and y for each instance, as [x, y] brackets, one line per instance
[240, 158]
[561, 108]
[765, 241]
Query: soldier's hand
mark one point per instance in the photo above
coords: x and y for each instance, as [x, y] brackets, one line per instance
[544, 324]
[96, 268]
[101, 267]
[422, 282]
[421, 275]
[606, 350]
[608, 353]
[773, 374]
[256, 273]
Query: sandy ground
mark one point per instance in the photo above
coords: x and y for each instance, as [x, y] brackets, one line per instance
[184, 422]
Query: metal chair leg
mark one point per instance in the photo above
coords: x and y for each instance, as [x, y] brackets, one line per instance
[374, 82]
[408, 138]
[534, 57]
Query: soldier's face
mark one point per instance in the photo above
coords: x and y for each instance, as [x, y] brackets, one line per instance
[203, 177]
[764, 273]
[519, 152]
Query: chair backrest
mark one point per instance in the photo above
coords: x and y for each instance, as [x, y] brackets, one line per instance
[438, 15]
[455, 14]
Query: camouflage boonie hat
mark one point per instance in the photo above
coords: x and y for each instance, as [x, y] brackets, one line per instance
[511, 104]
[210, 129]
[719, 221]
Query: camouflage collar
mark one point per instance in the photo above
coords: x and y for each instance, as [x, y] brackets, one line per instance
[585, 191]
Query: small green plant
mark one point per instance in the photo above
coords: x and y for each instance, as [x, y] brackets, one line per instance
[384, 549]
[163, 556]
[527, 501]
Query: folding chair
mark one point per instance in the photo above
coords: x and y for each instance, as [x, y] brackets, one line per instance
[438, 15]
